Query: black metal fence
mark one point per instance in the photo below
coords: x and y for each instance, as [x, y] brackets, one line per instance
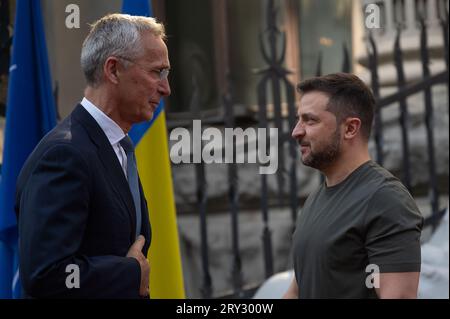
[274, 79]
[404, 91]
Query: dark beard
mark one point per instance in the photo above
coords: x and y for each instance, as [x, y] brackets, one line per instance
[327, 156]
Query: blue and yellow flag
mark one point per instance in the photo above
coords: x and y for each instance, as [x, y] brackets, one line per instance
[30, 114]
[152, 153]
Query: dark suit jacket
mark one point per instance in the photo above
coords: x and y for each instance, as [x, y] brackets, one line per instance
[75, 207]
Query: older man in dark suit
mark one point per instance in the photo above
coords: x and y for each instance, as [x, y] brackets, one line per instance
[79, 200]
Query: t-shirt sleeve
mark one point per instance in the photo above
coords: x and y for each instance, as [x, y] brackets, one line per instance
[394, 225]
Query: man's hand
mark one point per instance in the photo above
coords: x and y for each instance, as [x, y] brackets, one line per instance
[292, 292]
[135, 251]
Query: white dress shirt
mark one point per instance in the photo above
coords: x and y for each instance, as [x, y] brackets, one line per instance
[112, 131]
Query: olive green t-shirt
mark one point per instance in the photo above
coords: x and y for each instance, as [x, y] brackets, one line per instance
[368, 219]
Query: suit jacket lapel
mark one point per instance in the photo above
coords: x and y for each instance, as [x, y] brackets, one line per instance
[146, 225]
[110, 162]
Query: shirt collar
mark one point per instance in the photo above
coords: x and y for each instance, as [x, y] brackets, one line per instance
[112, 131]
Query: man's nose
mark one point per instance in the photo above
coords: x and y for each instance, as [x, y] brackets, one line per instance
[298, 131]
[164, 87]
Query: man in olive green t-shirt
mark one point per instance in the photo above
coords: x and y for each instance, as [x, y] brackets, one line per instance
[358, 234]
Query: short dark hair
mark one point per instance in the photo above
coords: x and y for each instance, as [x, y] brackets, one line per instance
[348, 97]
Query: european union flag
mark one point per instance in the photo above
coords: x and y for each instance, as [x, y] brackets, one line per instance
[30, 114]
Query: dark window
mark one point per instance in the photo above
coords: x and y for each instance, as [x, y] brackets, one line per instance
[325, 26]
[191, 49]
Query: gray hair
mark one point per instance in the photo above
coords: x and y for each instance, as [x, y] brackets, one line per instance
[115, 35]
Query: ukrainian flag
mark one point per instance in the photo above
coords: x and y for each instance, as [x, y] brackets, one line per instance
[152, 154]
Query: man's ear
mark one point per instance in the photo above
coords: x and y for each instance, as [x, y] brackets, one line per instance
[110, 70]
[352, 127]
